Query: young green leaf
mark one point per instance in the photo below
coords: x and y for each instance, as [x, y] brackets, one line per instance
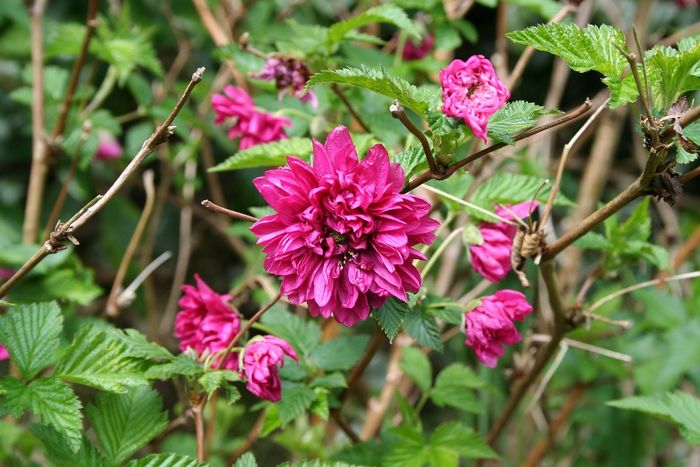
[673, 71]
[267, 155]
[123, 423]
[515, 117]
[340, 353]
[412, 160]
[166, 460]
[385, 13]
[391, 316]
[461, 440]
[30, 333]
[417, 367]
[423, 329]
[213, 380]
[420, 100]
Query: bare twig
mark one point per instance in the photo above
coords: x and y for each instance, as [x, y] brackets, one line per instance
[113, 307]
[398, 112]
[356, 115]
[129, 293]
[345, 426]
[199, 402]
[221, 210]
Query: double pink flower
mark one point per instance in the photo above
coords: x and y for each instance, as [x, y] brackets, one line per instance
[262, 360]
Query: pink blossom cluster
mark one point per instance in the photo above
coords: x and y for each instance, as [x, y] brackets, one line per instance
[489, 326]
[290, 76]
[253, 126]
[343, 235]
[491, 258]
[472, 91]
[262, 359]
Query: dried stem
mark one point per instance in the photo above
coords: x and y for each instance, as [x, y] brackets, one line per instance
[345, 426]
[563, 120]
[339, 92]
[113, 307]
[198, 412]
[398, 112]
[221, 210]
[129, 293]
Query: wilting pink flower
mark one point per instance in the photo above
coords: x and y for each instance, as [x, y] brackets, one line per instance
[108, 147]
[206, 322]
[491, 258]
[252, 125]
[261, 362]
[343, 233]
[290, 76]
[472, 91]
[416, 51]
[490, 326]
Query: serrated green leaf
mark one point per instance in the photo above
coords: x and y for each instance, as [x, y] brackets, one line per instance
[59, 452]
[98, 359]
[166, 460]
[302, 334]
[213, 380]
[340, 353]
[319, 406]
[231, 394]
[408, 448]
[515, 117]
[182, 365]
[295, 401]
[30, 333]
[65, 39]
[386, 13]
[391, 316]
[683, 156]
[379, 80]
[415, 365]
[246, 460]
[51, 400]
[680, 408]
[592, 241]
[332, 380]
[453, 387]
[138, 346]
[412, 160]
[125, 49]
[123, 423]
[455, 437]
[267, 155]
[423, 329]
[670, 71]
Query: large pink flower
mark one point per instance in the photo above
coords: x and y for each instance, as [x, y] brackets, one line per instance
[252, 125]
[206, 322]
[261, 361]
[490, 326]
[472, 91]
[491, 258]
[290, 76]
[343, 233]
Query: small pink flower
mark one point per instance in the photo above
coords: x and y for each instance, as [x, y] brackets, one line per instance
[6, 273]
[4, 354]
[491, 259]
[206, 322]
[416, 51]
[490, 326]
[472, 91]
[343, 235]
[252, 125]
[261, 362]
[108, 148]
[290, 76]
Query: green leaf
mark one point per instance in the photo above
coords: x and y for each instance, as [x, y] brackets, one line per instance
[391, 316]
[267, 155]
[332, 380]
[302, 334]
[683, 156]
[453, 387]
[295, 401]
[417, 367]
[680, 408]
[423, 329]
[340, 353]
[231, 394]
[584, 49]
[246, 460]
[319, 406]
[463, 441]
[30, 333]
[59, 452]
[412, 160]
[515, 117]
[420, 100]
[545, 8]
[182, 365]
[386, 13]
[139, 347]
[50, 399]
[66, 39]
[125, 49]
[673, 71]
[167, 460]
[408, 448]
[98, 359]
[213, 380]
[592, 241]
[123, 423]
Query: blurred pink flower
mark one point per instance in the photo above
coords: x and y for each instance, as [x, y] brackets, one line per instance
[490, 326]
[108, 147]
[491, 259]
[252, 125]
[261, 362]
[290, 76]
[4, 354]
[472, 91]
[416, 51]
[6, 273]
[206, 322]
[343, 233]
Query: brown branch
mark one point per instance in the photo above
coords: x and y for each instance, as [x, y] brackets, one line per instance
[339, 92]
[221, 210]
[198, 402]
[113, 307]
[249, 440]
[563, 120]
[345, 426]
[398, 112]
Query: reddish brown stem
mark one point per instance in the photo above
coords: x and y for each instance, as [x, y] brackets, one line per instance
[221, 210]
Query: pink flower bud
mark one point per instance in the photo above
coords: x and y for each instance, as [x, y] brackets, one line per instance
[261, 362]
[290, 76]
[472, 91]
[108, 148]
[416, 51]
[490, 326]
